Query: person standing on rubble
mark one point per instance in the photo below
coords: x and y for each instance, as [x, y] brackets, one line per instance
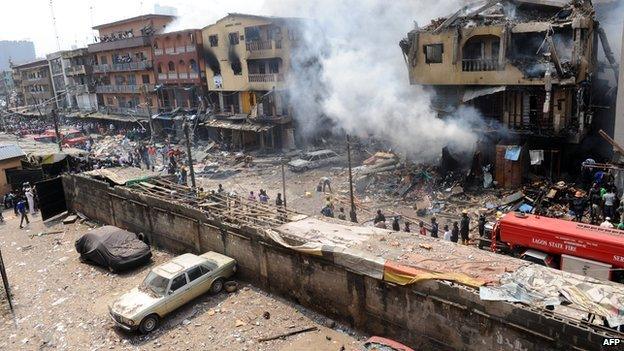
[407, 227]
[481, 227]
[609, 201]
[578, 206]
[421, 228]
[395, 224]
[380, 220]
[594, 203]
[341, 214]
[278, 201]
[455, 232]
[220, 189]
[324, 183]
[464, 228]
[447, 233]
[434, 227]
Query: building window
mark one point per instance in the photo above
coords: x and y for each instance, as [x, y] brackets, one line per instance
[234, 38]
[145, 78]
[193, 66]
[274, 66]
[214, 40]
[104, 60]
[433, 53]
[171, 66]
[159, 67]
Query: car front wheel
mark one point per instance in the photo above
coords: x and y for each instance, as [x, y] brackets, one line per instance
[149, 323]
[216, 286]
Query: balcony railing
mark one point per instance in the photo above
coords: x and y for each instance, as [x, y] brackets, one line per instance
[158, 52]
[79, 89]
[193, 75]
[259, 45]
[119, 44]
[183, 75]
[180, 49]
[75, 70]
[123, 67]
[162, 76]
[131, 111]
[172, 75]
[479, 65]
[169, 51]
[190, 48]
[123, 88]
[266, 78]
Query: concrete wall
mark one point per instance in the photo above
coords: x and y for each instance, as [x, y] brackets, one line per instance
[431, 315]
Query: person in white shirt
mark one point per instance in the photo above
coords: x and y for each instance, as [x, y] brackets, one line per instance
[607, 223]
[447, 233]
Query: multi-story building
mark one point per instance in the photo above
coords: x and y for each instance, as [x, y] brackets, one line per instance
[59, 79]
[525, 64]
[180, 70]
[80, 87]
[123, 69]
[33, 81]
[6, 88]
[247, 60]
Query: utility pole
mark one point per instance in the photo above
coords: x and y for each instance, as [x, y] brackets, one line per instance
[148, 104]
[352, 213]
[56, 129]
[5, 282]
[188, 151]
[283, 186]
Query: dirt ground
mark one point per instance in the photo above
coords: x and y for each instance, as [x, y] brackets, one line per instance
[61, 304]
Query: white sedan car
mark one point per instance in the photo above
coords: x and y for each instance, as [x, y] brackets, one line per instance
[169, 286]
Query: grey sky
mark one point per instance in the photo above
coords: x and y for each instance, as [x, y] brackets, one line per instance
[32, 19]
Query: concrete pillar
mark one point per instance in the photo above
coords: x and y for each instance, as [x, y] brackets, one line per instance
[221, 102]
[619, 113]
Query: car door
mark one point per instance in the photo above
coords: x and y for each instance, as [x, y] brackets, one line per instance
[178, 292]
[199, 281]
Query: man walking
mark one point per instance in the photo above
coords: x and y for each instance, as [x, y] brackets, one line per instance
[434, 227]
[21, 208]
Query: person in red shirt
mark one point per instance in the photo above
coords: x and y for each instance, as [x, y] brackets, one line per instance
[423, 230]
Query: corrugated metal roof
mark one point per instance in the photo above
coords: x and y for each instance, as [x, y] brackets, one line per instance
[10, 151]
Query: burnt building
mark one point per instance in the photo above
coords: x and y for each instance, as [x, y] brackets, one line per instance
[525, 65]
[180, 70]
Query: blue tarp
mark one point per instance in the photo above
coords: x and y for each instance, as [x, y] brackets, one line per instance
[513, 153]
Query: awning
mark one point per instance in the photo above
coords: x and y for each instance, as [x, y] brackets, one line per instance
[248, 127]
[471, 94]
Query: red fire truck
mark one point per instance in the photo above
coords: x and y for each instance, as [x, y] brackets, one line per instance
[570, 246]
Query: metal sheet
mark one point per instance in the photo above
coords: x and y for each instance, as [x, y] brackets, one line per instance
[51, 197]
[471, 94]
[10, 151]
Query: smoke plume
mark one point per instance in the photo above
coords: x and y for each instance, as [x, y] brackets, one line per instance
[352, 72]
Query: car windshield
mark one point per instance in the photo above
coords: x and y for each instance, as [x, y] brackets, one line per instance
[155, 283]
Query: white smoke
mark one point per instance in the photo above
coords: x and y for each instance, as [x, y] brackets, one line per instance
[363, 86]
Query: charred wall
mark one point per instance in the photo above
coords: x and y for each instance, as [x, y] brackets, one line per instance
[430, 315]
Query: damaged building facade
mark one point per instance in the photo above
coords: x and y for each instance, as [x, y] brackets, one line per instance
[81, 87]
[247, 60]
[123, 69]
[525, 65]
[33, 83]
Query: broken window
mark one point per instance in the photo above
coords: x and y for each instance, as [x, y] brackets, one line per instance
[234, 38]
[252, 33]
[433, 53]
[274, 66]
[214, 40]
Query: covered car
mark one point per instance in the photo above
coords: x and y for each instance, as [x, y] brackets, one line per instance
[114, 248]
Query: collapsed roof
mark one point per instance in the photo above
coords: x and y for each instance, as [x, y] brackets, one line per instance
[491, 12]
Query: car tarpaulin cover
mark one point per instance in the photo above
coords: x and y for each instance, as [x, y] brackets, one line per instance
[113, 247]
